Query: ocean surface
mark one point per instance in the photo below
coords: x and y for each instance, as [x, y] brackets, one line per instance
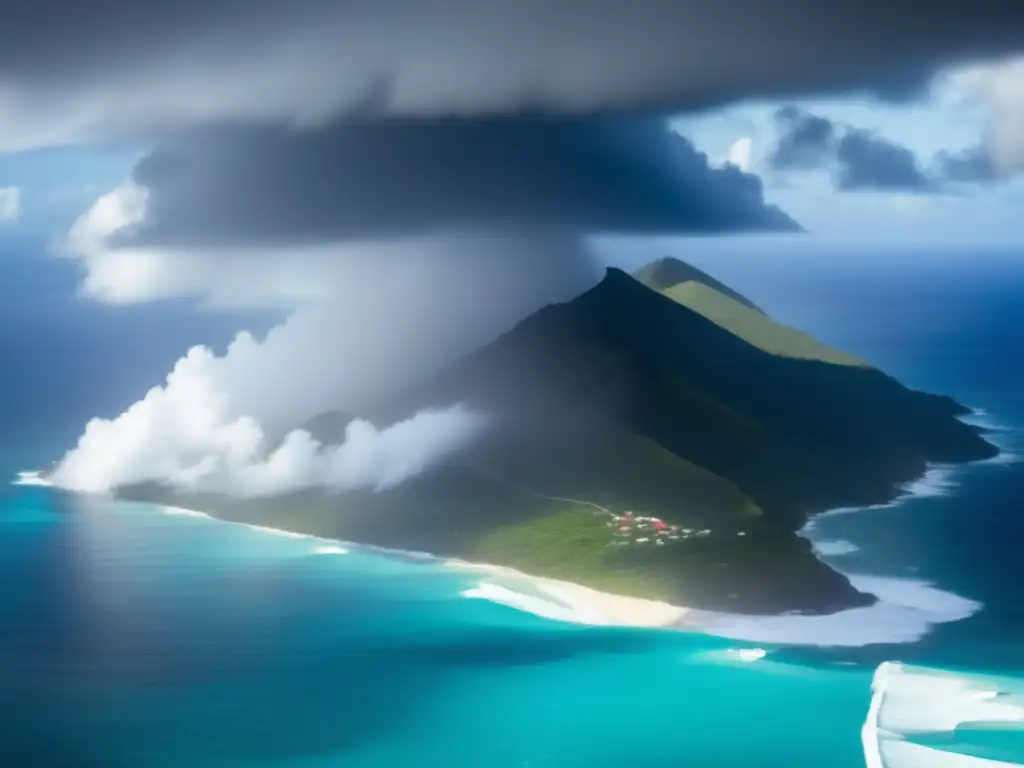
[136, 636]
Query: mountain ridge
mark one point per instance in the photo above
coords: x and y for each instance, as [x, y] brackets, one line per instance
[667, 272]
[626, 401]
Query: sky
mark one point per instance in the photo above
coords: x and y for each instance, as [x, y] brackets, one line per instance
[947, 119]
[81, 111]
[42, 190]
[398, 182]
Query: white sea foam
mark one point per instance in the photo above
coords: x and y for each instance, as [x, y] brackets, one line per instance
[733, 655]
[905, 612]
[330, 549]
[997, 433]
[750, 654]
[980, 417]
[936, 481]
[914, 701]
[835, 548]
[32, 478]
[1003, 458]
[182, 512]
[277, 532]
[547, 609]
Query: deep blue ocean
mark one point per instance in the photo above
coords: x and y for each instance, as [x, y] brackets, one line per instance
[130, 636]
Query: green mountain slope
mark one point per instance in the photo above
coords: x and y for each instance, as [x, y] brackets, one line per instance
[666, 273]
[702, 293]
[754, 326]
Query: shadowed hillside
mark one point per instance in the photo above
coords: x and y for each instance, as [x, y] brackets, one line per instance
[626, 401]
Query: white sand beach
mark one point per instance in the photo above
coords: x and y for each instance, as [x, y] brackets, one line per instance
[549, 598]
[567, 601]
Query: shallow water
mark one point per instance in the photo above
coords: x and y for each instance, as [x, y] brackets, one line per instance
[142, 637]
[252, 649]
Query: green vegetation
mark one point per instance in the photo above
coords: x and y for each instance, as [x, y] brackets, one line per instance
[621, 470]
[697, 290]
[575, 544]
[665, 273]
[754, 327]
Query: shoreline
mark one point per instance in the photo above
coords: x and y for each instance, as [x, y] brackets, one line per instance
[562, 600]
[579, 604]
[904, 610]
[555, 599]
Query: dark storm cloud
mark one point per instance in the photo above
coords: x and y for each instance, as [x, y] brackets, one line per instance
[91, 68]
[869, 161]
[967, 166]
[805, 140]
[858, 159]
[865, 160]
[395, 178]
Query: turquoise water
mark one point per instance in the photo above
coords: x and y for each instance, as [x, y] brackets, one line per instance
[135, 637]
[148, 639]
[131, 638]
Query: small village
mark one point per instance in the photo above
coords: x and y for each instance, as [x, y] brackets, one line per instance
[637, 529]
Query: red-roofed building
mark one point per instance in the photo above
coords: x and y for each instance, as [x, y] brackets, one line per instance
[659, 524]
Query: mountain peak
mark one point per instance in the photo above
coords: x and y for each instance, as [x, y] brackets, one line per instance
[669, 271]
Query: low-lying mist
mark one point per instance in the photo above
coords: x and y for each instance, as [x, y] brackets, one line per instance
[384, 315]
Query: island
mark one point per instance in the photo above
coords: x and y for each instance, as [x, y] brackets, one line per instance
[659, 436]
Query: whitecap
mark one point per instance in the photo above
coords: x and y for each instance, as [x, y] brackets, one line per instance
[277, 532]
[904, 613]
[182, 512]
[732, 655]
[997, 433]
[34, 477]
[936, 481]
[330, 549]
[751, 654]
[1003, 458]
[980, 417]
[538, 606]
[836, 511]
[836, 548]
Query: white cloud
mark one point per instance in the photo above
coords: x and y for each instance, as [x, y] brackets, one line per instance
[510, 275]
[365, 320]
[999, 88]
[182, 434]
[10, 203]
[741, 153]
